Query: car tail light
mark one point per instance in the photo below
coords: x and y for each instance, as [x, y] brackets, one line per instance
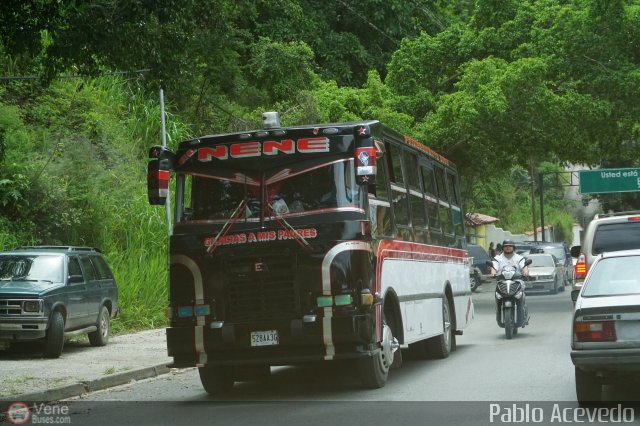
[581, 266]
[634, 218]
[595, 331]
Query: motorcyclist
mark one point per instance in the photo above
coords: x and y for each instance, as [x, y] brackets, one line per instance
[510, 257]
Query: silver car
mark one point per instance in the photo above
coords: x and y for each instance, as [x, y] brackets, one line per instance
[605, 343]
[545, 275]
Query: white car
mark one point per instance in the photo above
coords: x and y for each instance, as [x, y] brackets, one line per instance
[605, 344]
[545, 275]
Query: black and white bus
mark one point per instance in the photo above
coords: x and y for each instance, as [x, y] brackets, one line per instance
[311, 243]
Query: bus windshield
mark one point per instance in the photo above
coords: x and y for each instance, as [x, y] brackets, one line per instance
[288, 192]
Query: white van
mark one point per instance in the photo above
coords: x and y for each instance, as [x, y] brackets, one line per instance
[605, 233]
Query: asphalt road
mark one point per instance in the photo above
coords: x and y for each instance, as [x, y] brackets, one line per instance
[534, 366]
[488, 380]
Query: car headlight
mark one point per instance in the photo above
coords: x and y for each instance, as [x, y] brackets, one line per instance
[32, 305]
[518, 294]
[498, 296]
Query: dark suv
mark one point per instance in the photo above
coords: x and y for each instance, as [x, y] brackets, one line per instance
[480, 272]
[52, 292]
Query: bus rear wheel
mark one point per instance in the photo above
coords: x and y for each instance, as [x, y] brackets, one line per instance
[374, 370]
[442, 346]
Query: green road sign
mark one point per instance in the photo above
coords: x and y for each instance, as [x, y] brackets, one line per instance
[609, 180]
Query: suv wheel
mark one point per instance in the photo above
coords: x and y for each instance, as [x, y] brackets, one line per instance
[55, 336]
[474, 279]
[100, 337]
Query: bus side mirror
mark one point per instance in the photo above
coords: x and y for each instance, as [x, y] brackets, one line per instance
[365, 156]
[158, 170]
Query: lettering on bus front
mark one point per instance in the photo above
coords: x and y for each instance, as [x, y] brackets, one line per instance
[262, 236]
[266, 148]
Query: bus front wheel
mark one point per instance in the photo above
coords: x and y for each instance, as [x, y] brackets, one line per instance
[374, 370]
[216, 380]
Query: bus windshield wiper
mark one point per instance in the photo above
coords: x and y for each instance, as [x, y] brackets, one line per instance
[225, 228]
[286, 225]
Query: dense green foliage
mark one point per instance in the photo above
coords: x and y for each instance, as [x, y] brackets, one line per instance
[506, 89]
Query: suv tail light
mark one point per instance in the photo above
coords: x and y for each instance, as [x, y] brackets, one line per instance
[581, 267]
[595, 331]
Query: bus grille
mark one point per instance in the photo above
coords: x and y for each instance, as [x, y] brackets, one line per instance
[266, 295]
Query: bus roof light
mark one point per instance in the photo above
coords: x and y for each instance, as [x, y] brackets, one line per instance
[270, 120]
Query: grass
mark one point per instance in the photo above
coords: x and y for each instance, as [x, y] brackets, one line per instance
[138, 258]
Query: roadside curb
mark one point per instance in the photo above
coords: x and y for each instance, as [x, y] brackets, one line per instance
[80, 388]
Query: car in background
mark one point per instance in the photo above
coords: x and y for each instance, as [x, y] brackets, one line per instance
[544, 274]
[523, 248]
[605, 343]
[605, 233]
[563, 257]
[50, 293]
[480, 272]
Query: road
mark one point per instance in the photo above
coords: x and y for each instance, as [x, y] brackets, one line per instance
[486, 369]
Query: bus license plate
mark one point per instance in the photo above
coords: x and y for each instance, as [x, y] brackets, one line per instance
[264, 338]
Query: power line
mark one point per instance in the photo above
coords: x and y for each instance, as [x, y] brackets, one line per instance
[371, 24]
[37, 77]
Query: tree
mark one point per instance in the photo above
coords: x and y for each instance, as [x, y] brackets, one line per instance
[522, 79]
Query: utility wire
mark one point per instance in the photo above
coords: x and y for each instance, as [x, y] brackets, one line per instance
[371, 24]
[37, 77]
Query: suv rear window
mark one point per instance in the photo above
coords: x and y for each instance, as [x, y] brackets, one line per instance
[616, 237]
[477, 253]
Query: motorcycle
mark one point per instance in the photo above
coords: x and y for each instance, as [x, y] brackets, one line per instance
[511, 312]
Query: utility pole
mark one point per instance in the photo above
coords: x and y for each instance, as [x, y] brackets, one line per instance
[533, 200]
[541, 191]
[573, 181]
[164, 144]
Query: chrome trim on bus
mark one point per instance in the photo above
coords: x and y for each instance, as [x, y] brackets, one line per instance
[327, 331]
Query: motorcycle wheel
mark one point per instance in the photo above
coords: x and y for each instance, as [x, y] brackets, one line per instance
[508, 323]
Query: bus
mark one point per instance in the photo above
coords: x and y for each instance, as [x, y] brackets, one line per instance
[324, 242]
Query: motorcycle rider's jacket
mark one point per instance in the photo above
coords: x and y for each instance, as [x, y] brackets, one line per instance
[501, 261]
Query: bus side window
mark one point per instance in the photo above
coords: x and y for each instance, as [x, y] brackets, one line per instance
[431, 199]
[444, 207]
[456, 211]
[393, 156]
[454, 196]
[411, 170]
[416, 198]
[400, 207]
[379, 204]
[381, 185]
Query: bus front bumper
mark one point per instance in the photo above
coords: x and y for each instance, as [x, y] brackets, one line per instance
[296, 341]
